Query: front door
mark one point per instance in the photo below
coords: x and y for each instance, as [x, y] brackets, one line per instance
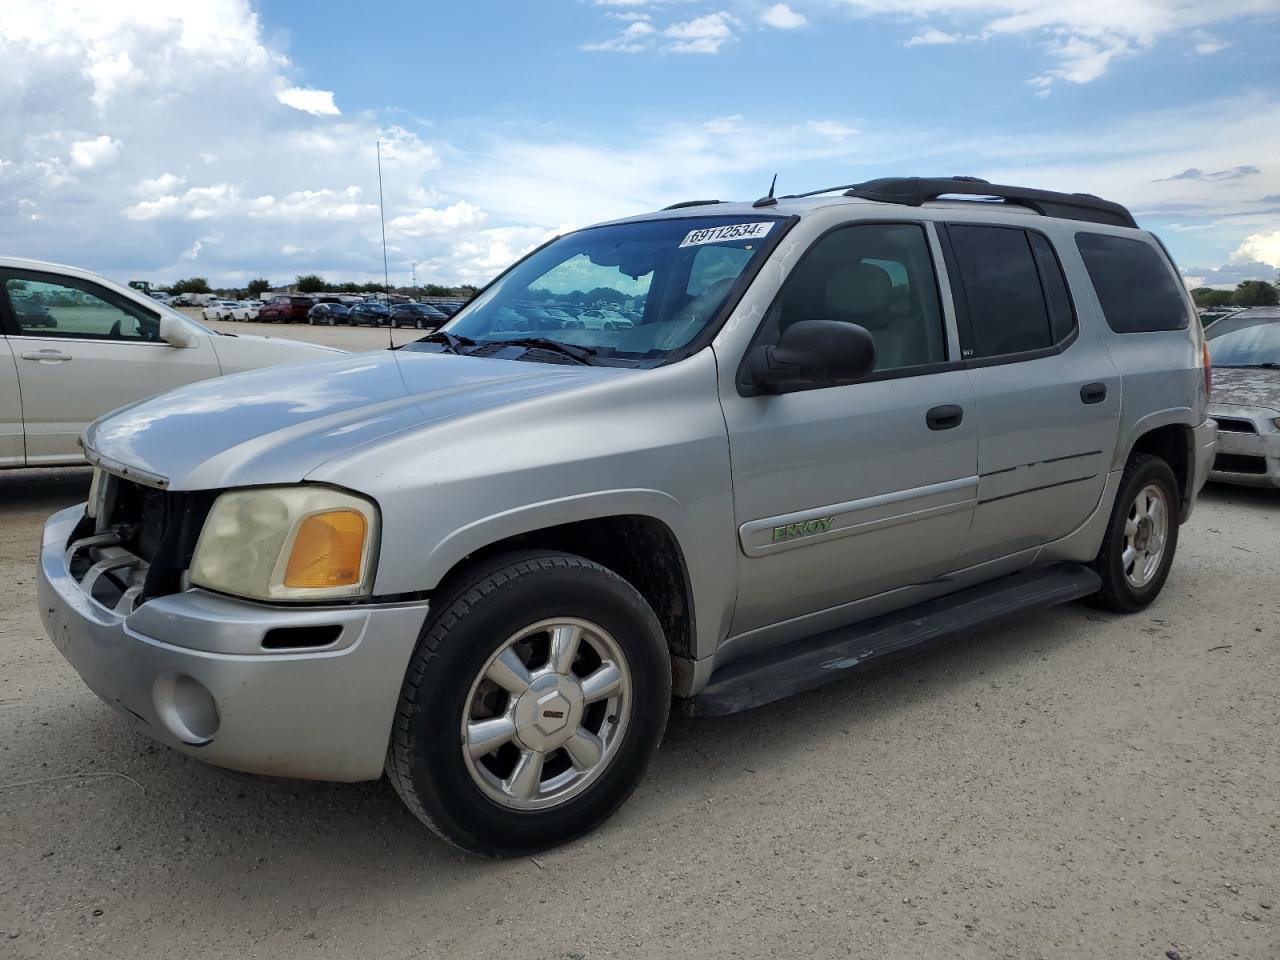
[845, 492]
[82, 350]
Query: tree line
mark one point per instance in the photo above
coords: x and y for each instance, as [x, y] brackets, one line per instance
[1248, 293]
[313, 283]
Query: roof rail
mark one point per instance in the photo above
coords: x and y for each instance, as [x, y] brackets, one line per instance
[913, 191]
[691, 203]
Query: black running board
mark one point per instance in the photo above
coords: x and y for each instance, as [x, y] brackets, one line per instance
[804, 664]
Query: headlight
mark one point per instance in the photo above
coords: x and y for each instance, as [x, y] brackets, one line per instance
[287, 543]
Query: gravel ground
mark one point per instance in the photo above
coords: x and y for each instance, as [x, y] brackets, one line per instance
[1073, 784]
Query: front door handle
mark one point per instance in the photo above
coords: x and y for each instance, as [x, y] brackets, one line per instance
[1093, 393]
[944, 417]
[47, 356]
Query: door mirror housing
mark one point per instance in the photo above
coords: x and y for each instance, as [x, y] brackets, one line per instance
[175, 333]
[813, 353]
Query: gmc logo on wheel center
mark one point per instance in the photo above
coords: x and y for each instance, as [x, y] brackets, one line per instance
[553, 714]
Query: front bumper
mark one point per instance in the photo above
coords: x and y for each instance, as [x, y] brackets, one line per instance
[190, 670]
[1243, 457]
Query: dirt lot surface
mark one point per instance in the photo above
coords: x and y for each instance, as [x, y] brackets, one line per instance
[1074, 784]
[348, 338]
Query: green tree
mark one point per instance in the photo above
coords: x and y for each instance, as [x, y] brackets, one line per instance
[1209, 297]
[191, 285]
[1255, 293]
[607, 294]
[311, 283]
[257, 288]
[435, 290]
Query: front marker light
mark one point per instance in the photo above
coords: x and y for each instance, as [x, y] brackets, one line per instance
[287, 543]
[327, 550]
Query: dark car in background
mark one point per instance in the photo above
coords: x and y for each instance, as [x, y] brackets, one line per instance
[420, 316]
[374, 313]
[448, 307]
[289, 309]
[327, 314]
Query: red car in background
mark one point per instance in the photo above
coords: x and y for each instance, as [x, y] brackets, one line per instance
[285, 310]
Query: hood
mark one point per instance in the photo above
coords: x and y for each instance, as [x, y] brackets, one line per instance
[1246, 387]
[277, 424]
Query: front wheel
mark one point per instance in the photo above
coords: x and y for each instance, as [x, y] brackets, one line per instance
[532, 706]
[1142, 536]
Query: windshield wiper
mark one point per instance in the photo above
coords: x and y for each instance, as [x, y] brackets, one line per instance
[578, 354]
[1265, 365]
[449, 341]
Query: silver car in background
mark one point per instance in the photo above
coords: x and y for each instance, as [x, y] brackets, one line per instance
[845, 426]
[1246, 397]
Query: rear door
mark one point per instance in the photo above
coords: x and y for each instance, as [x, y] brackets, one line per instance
[11, 442]
[1047, 396]
[82, 350]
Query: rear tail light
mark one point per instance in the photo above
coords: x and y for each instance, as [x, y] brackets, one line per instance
[1208, 369]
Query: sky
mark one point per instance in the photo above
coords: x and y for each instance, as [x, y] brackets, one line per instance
[148, 139]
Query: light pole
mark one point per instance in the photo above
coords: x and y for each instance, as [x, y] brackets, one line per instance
[415, 275]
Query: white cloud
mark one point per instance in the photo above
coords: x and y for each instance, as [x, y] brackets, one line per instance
[318, 102]
[428, 221]
[1082, 37]
[931, 37]
[706, 34]
[831, 129]
[783, 17]
[1261, 247]
[87, 154]
[633, 39]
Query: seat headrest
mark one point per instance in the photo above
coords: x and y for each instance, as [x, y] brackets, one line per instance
[859, 290]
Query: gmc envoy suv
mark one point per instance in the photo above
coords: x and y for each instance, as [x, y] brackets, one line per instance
[842, 425]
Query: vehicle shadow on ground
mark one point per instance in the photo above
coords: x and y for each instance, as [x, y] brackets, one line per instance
[255, 834]
[43, 490]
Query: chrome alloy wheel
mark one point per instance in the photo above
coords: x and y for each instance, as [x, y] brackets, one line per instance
[546, 714]
[1146, 531]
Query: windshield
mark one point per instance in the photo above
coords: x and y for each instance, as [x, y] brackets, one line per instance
[1256, 346]
[630, 294]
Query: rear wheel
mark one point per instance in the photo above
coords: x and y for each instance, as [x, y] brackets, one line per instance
[536, 697]
[1142, 536]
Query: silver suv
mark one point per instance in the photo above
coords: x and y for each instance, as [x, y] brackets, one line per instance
[828, 429]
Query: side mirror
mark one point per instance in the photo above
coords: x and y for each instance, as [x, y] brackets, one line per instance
[814, 353]
[174, 332]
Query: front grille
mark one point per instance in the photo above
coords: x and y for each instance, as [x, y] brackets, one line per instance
[1239, 463]
[1232, 425]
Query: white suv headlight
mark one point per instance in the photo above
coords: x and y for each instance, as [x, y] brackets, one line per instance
[287, 543]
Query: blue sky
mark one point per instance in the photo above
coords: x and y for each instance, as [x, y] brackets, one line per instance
[232, 140]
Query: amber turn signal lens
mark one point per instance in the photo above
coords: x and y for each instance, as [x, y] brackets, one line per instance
[328, 550]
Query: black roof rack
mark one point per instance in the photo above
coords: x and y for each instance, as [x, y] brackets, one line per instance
[914, 191]
[691, 203]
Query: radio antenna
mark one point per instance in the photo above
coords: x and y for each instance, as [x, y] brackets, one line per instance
[768, 199]
[386, 274]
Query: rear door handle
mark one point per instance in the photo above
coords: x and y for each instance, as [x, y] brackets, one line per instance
[1093, 392]
[48, 356]
[944, 417]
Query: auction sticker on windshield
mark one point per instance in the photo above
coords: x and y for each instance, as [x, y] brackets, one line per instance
[733, 231]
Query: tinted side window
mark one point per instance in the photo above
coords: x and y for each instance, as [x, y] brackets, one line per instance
[1062, 317]
[1134, 282]
[878, 275]
[74, 309]
[1001, 290]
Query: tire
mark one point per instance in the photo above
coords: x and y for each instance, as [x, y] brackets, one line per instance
[1129, 586]
[464, 797]
[417, 324]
